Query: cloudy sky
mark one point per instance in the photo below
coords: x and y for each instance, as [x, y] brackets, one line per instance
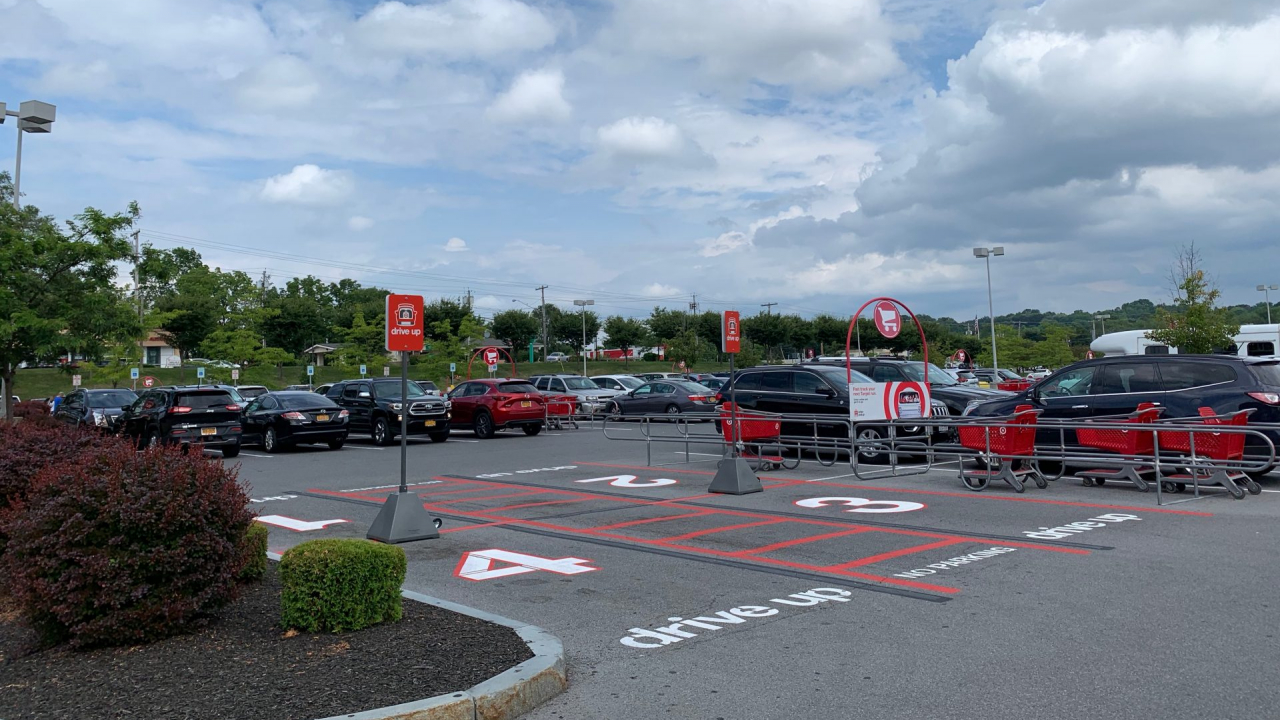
[811, 153]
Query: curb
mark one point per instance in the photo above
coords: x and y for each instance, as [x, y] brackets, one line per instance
[502, 697]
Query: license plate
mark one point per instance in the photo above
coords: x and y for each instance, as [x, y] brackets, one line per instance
[526, 403]
[430, 423]
[322, 418]
[208, 431]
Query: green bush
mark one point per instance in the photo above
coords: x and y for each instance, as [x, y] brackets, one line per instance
[340, 585]
[650, 357]
[255, 552]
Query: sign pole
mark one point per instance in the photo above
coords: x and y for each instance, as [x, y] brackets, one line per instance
[733, 475]
[404, 422]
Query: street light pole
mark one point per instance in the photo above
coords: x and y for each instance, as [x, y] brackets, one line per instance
[33, 117]
[583, 304]
[1266, 290]
[985, 254]
[1103, 319]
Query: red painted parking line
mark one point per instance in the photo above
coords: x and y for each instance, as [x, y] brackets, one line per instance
[629, 523]
[798, 541]
[873, 559]
[712, 531]
[487, 497]
[537, 504]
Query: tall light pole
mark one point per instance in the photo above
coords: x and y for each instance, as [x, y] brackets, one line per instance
[1103, 319]
[583, 304]
[1266, 289]
[33, 117]
[546, 348]
[985, 254]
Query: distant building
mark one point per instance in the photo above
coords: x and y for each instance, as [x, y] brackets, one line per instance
[320, 351]
[157, 352]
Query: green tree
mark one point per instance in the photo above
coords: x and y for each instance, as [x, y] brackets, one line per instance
[57, 286]
[1195, 325]
[667, 324]
[768, 330]
[517, 328]
[567, 329]
[686, 347]
[625, 334]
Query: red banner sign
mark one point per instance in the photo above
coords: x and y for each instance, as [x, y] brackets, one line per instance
[731, 332]
[404, 323]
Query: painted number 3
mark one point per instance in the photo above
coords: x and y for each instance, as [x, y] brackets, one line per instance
[862, 505]
[630, 481]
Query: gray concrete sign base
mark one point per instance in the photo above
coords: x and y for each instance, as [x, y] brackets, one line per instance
[735, 477]
[403, 519]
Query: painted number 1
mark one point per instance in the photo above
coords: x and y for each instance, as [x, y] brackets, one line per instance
[862, 505]
[630, 481]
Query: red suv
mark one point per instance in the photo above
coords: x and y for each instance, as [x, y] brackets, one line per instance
[488, 405]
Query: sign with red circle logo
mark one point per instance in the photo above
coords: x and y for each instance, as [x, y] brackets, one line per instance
[888, 319]
[148, 381]
[491, 356]
[1088, 355]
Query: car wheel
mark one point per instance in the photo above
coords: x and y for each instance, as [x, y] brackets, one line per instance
[381, 432]
[230, 451]
[336, 444]
[871, 435]
[270, 441]
[672, 410]
[484, 426]
[532, 430]
[439, 437]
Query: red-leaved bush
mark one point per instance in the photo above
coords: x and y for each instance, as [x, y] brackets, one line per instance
[34, 412]
[119, 546]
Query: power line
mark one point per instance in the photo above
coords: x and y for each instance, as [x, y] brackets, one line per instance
[768, 306]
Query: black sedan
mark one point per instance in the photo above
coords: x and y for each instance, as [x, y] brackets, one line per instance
[98, 408]
[669, 397]
[279, 420]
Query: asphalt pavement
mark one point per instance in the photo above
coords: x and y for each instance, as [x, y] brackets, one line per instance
[825, 596]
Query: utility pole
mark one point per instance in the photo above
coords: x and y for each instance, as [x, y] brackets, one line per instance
[768, 306]
[543, 290]
[137, 291]
[693, 309]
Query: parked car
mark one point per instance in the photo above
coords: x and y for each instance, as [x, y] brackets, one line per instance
[617, 383]
[954, 395]
[280, 420]
[488, 405]
[670, 397]
[591, 397]
[322, 389]
[650, 377]
[429, 387]
[249, 392]
[1002, 379]
[1181, 384]
[1038, 374]
[212, 363]
[557, 357]
[99, 408]
[299, 387]
[375, 406]
[184, 415]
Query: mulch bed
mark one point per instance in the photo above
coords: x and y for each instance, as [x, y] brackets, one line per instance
[244, 665]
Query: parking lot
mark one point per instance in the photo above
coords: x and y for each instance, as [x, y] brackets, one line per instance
[823, 596]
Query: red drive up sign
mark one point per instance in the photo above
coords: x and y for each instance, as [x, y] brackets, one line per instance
[404, 323]
[888, 321]
[731, 332]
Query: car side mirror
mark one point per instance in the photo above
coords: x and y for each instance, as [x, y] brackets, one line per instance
[365, 395]
[827, 392]
[126, 408]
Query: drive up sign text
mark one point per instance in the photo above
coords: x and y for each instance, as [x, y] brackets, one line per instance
[731, 333]
[404, 323]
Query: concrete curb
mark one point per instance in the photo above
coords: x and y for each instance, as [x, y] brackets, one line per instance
[502, 697]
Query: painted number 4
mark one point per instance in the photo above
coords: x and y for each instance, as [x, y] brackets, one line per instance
[479, 564]
[862, 505]
[630, 481]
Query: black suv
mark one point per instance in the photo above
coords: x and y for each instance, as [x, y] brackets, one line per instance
[375, 406]
[186, 415]
[1181, 384]
[99, 408]
[954, 395]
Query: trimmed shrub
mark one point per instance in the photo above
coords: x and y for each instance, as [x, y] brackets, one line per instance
[255, 552]
[649, 357]
[35, 412]
[340, 585]
[119, 546]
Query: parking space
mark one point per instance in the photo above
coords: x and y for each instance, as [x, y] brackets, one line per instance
[669, 597]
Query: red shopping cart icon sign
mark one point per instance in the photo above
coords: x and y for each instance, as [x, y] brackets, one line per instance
[888, 321]
[491, 356]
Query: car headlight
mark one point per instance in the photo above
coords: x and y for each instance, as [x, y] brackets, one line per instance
[395, 406]
[971, 406]
[99, 419]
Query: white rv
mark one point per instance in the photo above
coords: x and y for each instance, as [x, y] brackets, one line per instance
[1251, 341]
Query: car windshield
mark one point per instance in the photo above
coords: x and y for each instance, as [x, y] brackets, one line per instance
[629, 383]
[112, 399]
[309, 400]
[391, 389]
[203, 400]
[1010, 375]
[580, 383]
[838, 377]
[250, 393]
[516, 387]
[915, 371]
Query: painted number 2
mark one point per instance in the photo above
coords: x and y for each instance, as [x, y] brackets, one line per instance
[630, 481]
[862, 505]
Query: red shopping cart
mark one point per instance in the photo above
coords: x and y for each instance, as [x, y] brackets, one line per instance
[1004, 449]
[1207, 447]
[1135, 445]
[561, 411]
[755, 430]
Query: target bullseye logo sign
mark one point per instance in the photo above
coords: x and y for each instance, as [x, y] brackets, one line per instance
[888, 320]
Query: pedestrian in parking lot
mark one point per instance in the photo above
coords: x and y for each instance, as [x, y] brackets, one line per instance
[55, 402]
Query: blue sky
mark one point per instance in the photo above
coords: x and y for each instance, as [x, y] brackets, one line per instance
[812, 153]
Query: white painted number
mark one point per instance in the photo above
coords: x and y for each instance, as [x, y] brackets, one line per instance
[862, 505]
[478, 565]
[296, 524]
[630, 481]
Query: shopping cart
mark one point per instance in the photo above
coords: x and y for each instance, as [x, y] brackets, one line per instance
[1134, 445]
[1227, 448]
[1005, 451]
[757, 433]
[561, 411]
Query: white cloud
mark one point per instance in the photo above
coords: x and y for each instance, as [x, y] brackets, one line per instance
[534, 95]
[456, 245]
[359, 223]
[455, 28]
[655, 290]
[283, 81]
[307, 185]
[641, 138]
[732, 240]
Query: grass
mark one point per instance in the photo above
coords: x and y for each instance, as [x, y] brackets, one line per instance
[46, 382]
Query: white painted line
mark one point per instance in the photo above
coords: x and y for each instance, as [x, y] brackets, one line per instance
[269, 457]
[295, 524]
[703, 454]
[361, 447]
[833, 477]
[461, 440]
[1272, 491]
